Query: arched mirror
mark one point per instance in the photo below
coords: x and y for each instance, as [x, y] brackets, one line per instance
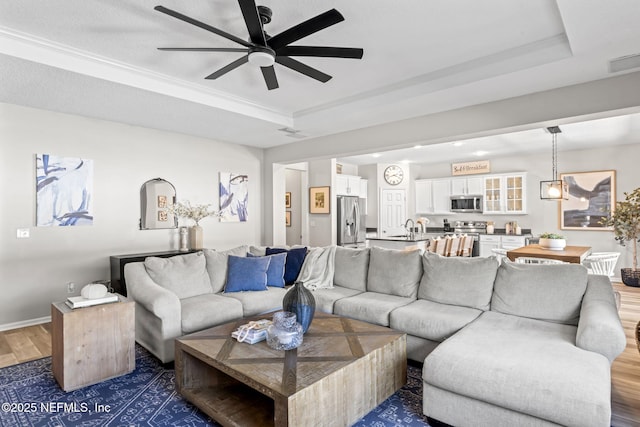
[156, 196]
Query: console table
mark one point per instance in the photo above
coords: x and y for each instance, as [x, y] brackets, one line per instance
[118, 262]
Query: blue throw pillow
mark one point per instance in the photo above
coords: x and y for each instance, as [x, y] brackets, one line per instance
[246, 274]
[295, 258]
[275, 273]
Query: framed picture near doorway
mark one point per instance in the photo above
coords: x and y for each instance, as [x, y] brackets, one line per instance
[319, 200]
[288, 218]
[287, 199]
[592, 195]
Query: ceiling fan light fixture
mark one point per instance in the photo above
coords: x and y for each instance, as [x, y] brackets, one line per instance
[262, 57]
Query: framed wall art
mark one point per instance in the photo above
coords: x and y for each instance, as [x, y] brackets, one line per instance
[319, 200]
[64, 191]
[234, 197]
[287, 199]
[592, 195]
[288, 218]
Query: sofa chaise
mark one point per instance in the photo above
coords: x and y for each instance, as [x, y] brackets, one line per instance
[502, 344]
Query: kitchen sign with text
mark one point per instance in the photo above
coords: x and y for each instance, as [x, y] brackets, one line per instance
[470, 168]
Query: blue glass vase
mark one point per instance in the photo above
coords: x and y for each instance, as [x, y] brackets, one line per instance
[300, 300]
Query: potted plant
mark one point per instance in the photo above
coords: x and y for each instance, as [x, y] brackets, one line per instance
[625, 220]
[553, 241]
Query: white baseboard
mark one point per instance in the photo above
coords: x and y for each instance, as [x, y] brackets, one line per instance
[24, 323]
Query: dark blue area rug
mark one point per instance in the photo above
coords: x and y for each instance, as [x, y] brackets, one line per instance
[30, 396]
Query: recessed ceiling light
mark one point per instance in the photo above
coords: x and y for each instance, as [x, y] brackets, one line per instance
[481, 153]
[376, 155]
[417, 146]
[458, 144]
[405, 161]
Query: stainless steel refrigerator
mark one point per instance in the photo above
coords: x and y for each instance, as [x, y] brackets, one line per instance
[351, 221]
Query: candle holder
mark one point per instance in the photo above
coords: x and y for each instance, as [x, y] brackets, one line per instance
[285, 333]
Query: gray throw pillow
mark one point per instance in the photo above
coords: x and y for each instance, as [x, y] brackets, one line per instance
[461, 281]
[184, 275]
[217, 262]
[551, 292]
[394, 272]
[351, 268]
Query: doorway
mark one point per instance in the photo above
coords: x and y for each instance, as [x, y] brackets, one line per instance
[393, 212]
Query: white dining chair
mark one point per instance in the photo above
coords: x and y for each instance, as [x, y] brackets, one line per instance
[499, 253]
[534, 260]
[601, 263]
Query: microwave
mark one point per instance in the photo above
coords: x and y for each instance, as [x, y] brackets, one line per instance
[466, 204]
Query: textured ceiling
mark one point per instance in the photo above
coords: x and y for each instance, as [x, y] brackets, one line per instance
[99, 58]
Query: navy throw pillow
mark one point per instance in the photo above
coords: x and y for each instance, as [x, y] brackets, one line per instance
[246, 274]
[275, 273]
[295, 258]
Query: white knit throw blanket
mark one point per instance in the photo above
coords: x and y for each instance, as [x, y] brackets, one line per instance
[318, 268]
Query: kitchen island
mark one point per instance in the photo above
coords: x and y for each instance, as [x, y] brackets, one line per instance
[400, 242]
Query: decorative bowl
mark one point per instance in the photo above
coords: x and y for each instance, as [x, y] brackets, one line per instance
[553, 244]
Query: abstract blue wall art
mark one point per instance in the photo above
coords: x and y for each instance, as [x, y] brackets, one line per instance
[234, 197]
[64, 189]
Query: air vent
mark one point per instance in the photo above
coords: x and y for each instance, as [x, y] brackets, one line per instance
[292, 133]
[624, 63]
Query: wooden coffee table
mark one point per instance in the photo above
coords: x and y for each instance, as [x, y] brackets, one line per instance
[343, 369]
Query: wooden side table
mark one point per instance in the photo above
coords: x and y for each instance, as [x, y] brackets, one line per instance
[92, 344]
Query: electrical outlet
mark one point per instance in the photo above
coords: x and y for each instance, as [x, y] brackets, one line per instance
[71, 287]
[22, 233]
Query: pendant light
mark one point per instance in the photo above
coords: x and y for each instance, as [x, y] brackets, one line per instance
[555, 189]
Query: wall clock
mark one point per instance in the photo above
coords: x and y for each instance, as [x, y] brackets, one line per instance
[393, 175]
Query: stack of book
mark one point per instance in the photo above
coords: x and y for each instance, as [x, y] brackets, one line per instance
[79, 302]
[252, 332]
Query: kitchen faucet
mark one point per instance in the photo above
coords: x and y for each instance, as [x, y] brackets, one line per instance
[411, 230]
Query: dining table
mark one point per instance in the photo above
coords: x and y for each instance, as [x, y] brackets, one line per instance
[572, 254]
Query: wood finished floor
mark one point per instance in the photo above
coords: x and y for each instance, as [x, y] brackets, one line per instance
[34, 342]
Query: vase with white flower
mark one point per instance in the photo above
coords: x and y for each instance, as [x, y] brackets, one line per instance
[195, 213]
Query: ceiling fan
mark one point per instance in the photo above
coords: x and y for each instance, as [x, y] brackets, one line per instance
[264, 50]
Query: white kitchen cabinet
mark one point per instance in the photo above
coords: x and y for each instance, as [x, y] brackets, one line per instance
[433, 196]
[347, 185]
[505, 194]
[467, 186]
[512, 242]
[441, 193]
[424, 196]
[488, 243]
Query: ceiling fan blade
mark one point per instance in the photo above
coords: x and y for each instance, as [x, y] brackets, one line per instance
[324, 51]
[202, 25]
[204, 49]
[224, 70]
[303, 69]
[269, 74]
[252, 19]
[306, 28]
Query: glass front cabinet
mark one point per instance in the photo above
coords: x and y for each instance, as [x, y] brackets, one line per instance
[505, 194]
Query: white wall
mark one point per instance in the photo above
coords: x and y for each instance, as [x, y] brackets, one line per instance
[34, 271]
[293, 186]
[322, 227]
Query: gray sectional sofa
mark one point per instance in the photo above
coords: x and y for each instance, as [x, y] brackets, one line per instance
[502, 344]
